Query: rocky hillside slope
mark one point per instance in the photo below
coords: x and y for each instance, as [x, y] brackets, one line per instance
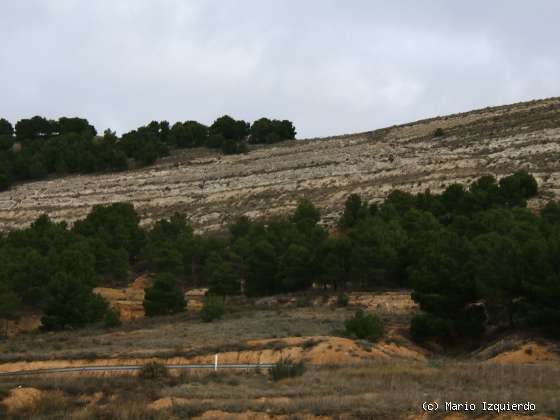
[212, 189]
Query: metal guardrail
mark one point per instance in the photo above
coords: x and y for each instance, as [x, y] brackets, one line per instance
[123, 368]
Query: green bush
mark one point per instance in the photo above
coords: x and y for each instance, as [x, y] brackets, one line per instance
[424, 326]
[112, 318]
[439, 132]
[365, 326]
[471, 323]
[285, 368]
[71, 304]
[154, 370]
[212, 309]
[4, 181]
[303, 302]
[242, 148]
[342, 300]
[231, 147]
[165, 297]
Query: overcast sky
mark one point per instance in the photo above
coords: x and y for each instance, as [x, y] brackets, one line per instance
[330, 66]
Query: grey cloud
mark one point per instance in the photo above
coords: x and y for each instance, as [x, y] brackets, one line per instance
[332, 67]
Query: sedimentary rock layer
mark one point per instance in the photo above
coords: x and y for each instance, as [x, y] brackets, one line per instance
[212, 189]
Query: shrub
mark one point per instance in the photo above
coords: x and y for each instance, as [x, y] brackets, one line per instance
[303, 302]
[365, 326]
[242, 148]
[229, 147]
[212, 309]
[307, 344]
[154, 370]
[342, 300]
[112, 318]
[48, 405]
[4, 181]
[439, 132]
[286, 368]
[424, 326]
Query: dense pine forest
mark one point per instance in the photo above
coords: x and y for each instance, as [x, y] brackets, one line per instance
[38, 147]
[475, 257]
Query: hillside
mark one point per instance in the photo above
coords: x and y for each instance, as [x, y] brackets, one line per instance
[446, 297]
[212, 189]
[345, 378]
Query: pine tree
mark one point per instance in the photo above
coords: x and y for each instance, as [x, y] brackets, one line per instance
[71, 304]
[165, 297]
[10, 306]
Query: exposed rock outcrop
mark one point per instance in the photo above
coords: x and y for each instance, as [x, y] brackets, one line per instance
[213, 189]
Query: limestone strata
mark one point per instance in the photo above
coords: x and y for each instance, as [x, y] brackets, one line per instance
[212, 189]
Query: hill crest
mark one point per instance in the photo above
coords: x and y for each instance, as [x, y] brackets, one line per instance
[213, 189]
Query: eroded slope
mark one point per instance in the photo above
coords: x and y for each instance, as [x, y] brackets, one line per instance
[212, 189]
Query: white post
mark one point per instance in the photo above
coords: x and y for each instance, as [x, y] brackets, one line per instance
[216, 362]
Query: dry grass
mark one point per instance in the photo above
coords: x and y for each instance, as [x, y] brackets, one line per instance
[185, 335]
[389, 391]
[384, 389]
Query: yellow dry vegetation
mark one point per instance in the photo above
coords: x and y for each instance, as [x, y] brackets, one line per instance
[252, 415]
[21, 397]
[129, 301]
[459, 416]
[27, 322]
[325, 350]
[527, 353]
